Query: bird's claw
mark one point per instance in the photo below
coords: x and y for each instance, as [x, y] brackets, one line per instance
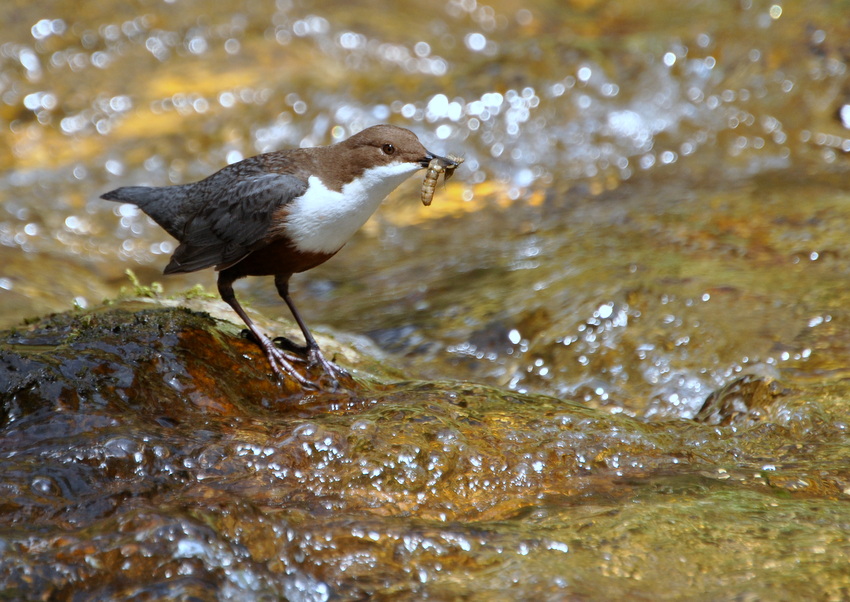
[281, 364]
[333, 372]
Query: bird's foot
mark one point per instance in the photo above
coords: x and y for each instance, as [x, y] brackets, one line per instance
[314, 358]
[333, 372]
[280, 361]
[281, 364]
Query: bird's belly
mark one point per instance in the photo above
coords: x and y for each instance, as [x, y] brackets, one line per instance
[279, 257]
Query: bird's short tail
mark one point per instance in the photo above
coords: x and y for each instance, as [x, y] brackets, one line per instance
[137, 195]
[162, 204]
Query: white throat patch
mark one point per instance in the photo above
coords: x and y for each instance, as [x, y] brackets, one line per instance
[323, 220]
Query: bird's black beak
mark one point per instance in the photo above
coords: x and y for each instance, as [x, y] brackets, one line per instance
[450, 163]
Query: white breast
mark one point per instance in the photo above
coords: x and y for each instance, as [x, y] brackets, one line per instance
[323, 220]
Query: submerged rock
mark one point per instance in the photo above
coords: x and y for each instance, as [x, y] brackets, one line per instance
[742, 401]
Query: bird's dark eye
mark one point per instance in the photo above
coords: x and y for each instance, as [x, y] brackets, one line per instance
[388, 149]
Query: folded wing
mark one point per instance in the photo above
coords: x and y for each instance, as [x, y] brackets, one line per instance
[233, 219]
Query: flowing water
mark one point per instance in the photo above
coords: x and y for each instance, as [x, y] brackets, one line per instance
[651, 217]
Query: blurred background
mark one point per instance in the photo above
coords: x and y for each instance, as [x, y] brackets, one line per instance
[653, 200]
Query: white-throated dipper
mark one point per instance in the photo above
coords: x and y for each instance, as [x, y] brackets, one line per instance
[281, 213]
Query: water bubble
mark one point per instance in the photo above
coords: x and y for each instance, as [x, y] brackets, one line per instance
[45, 486]
[524, 17]
[668, 157]
[226, 99]
[101, 59]
[475, 42]
[350, 40]
[120, 103]
[437, 107]
[115, 167]
[523, 177]
[47, 27]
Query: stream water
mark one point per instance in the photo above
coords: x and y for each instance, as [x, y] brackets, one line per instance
[652, 213]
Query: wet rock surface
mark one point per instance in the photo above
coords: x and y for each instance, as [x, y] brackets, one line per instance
[147, 451]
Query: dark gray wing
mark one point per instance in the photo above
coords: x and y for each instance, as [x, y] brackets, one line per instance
[233, 218]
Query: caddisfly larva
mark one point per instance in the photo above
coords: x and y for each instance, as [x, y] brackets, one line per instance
[436, 167]
[429, 185]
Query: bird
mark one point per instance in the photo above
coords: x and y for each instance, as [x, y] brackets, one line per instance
[281, 213]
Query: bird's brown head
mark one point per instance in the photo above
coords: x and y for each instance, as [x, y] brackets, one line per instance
[385, 145]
